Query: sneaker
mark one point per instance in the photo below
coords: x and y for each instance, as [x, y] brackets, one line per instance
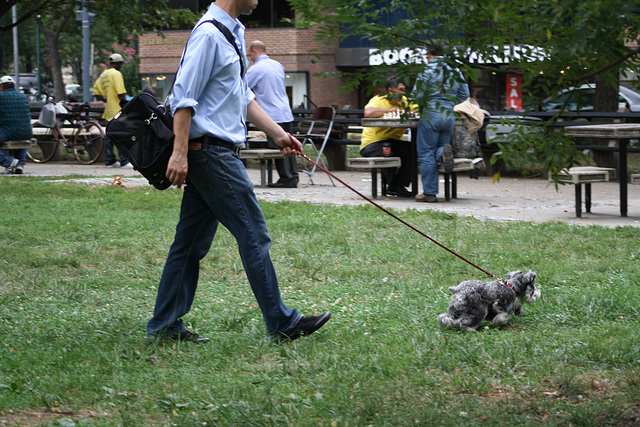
[426, 198]
[127, 165]
[306, 326]
[19, 170]
[447, 158]
[11, 168]
[113, 165]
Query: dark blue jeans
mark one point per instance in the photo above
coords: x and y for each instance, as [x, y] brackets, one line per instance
[6, 159]
[110, 156]
[288, 167]
[218, 191]
[434, 132]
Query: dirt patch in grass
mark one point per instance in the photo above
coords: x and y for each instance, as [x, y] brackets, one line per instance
[36, 417]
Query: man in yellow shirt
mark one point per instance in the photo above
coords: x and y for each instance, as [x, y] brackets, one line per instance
[110, 87]
[387, 142]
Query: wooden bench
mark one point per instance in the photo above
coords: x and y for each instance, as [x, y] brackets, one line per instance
[17, 144]
[584, 175]
[373, 164]
[266, 157]
[451, 179]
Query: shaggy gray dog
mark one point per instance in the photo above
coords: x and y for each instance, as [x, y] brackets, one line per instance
[474, 301]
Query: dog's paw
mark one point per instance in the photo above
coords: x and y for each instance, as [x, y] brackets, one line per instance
[501, 319]
[446, 321]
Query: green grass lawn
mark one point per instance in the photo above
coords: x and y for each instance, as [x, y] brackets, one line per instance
[78, 275]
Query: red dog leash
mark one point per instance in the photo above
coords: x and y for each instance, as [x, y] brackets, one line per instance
[400, 219]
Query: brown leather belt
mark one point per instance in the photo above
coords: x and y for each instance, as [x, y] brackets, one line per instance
[196, 144]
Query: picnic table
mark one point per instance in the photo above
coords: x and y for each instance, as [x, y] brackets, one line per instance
[622, 132]
[411, 123]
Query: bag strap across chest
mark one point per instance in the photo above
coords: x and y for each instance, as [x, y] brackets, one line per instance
[226, 33]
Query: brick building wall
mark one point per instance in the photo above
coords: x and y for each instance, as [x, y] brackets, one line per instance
[294, 48]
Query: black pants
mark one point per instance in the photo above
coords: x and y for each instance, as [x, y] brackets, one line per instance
[395, 176]
[287, 168]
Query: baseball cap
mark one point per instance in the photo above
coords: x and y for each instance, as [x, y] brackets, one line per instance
[6, 79]
[116, 57]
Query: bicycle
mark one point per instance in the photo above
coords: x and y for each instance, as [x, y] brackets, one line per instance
[86, 141]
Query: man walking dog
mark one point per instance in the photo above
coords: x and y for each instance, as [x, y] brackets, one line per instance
[211, 103]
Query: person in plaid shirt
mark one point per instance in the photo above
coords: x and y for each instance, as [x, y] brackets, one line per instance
[15, 124]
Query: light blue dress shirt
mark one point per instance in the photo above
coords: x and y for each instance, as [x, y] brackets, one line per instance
[209, 80]
[266, 78]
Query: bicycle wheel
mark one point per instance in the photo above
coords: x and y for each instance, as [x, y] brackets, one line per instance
[88, 143]
[45, 147]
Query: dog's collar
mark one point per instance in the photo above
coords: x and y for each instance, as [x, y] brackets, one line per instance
[507, 284]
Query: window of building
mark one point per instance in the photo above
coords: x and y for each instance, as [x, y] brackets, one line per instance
[297, 84]
[160, 84]
[268, 14]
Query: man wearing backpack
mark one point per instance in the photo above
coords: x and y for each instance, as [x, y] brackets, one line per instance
[212, 104]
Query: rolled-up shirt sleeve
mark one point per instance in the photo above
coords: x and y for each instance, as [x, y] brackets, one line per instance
[194, 73]
[209, 80]
[249, 95]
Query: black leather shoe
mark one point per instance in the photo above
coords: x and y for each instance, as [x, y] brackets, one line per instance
[399, 191]
[306, 326]
[188, 336]
[281, 185]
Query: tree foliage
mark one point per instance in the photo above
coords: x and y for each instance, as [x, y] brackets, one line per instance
[552, 44]
[580, 39]
[116, 21]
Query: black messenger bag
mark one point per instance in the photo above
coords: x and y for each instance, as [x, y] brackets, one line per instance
[143, 132]
[143, 129]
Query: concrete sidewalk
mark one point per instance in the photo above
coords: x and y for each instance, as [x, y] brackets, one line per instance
[510, 199]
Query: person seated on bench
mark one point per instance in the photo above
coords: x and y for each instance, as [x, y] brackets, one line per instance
[15, 124]
[387, 142]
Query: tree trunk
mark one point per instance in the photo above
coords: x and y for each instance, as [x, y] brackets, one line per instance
[606, 98]
[56, 64]
[51, 32]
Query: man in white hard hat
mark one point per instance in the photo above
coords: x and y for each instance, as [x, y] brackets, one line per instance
[15, 124]
[110, 87]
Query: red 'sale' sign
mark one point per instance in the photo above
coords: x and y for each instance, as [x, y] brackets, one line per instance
[514, 92]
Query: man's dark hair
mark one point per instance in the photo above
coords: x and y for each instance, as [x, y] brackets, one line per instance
[392, 82]
[435, 49]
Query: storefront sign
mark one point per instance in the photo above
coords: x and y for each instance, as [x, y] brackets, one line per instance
[393, 56]
[514, 92]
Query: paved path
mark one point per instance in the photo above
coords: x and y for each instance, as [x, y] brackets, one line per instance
[510, 199]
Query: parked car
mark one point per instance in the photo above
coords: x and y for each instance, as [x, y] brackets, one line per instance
[28, 82]
[74, 92]
[29, 86]
[501, 125]
[584, 96]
